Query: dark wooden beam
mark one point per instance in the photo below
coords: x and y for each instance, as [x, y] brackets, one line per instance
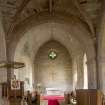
[15, 18]
[22, 6]
[50, 6]
[83, 2]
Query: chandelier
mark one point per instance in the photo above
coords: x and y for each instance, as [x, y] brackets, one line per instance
[11, 64]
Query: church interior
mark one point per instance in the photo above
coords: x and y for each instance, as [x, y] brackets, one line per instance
[52, 52]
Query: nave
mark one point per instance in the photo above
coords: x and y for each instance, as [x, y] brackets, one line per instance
[81, 97]
[52, 52]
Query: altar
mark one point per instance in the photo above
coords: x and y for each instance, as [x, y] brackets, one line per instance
[55, 91]
[53, 96]
[52, 100]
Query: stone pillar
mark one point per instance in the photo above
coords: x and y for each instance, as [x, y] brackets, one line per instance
[102, 74]
[80, 72]
[101, 50]
[74, 73]
[3, 71]
[92, 76]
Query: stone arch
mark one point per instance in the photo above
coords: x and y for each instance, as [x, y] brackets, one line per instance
[72, 24]
[61, 66]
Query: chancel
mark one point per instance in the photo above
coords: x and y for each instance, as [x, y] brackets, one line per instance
[52, 52]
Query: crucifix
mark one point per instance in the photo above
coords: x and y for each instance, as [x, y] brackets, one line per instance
[11, 65]
[53, 75]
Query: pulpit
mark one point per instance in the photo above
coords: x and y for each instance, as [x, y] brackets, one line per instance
[89, 97]
[8, 92]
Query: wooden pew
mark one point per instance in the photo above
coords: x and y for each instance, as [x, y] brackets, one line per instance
[37, 98]
[14, 96]
[89, 97]
[7, 92]
[32, 98]
[67, 98]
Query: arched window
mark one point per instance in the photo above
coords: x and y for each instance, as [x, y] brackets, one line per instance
[85, 72]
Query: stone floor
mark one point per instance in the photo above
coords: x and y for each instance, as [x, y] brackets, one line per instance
[5, 102]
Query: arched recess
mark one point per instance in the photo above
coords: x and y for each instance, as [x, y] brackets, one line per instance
[70, 24]
[53, 73]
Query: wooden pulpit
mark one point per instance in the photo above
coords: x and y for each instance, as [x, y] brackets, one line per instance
[12, 93]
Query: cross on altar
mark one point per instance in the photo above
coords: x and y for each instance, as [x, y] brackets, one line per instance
[53, 75]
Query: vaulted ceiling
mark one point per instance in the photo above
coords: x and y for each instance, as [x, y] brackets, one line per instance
[22, 23]
[15, 11]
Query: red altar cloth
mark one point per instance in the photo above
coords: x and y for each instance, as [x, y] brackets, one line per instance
[53, 100]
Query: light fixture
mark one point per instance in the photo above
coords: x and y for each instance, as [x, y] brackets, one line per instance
[11, 64]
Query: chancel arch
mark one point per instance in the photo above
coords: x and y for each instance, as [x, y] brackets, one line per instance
[33, 39]
[53, 66]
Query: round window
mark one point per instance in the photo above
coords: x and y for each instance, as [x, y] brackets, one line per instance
[52, 55]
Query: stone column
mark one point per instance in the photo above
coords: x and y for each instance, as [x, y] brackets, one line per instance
[80, 72]
[92, 76]
[101, 50]
[102, 74]
[74, 73]
[3, 71]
